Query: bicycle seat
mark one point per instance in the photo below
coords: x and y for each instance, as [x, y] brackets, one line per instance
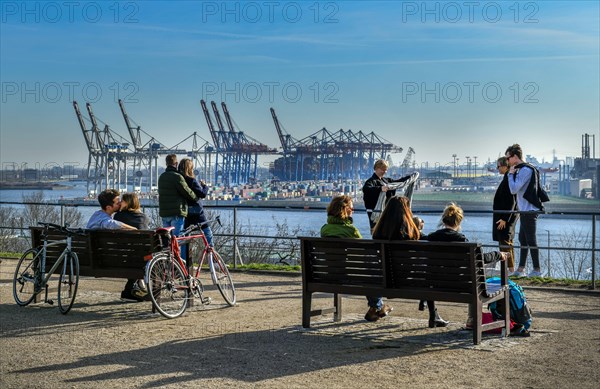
[165, 229]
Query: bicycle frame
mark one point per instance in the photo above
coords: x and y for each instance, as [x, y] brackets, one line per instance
[174, 283]
[175, 249]
[59, 261]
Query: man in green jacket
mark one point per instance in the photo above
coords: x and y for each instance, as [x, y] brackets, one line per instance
[172, 195]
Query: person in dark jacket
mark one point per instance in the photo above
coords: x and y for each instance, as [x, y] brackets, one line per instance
[131, 213]
[523, 181]
[376, 184]
[339, 225]
[173, 195]
[396, 223]
[195, 209]
[503, 224]
[451, 219]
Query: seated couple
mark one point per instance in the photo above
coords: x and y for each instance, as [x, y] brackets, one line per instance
[121, 214]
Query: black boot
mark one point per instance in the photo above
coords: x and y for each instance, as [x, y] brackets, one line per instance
[422, 305]
[435, 320]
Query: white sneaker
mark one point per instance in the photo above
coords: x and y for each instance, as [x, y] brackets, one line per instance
[517, 273]
[535, 273]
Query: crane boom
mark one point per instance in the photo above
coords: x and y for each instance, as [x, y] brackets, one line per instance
[282, 138]
[211, 127]
[87, 134]
[135, 138]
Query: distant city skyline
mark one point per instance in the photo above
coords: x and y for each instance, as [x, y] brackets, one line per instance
[443, 77]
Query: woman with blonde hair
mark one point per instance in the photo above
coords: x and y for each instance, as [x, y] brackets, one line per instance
[449, 232]
[339, 225]
[195, 209]
[131, 213]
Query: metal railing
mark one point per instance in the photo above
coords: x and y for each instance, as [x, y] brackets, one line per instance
[234, 240]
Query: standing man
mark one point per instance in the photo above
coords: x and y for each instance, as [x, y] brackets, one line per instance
[377, 184]
[524, 182]
[503, 226]
[173, 194]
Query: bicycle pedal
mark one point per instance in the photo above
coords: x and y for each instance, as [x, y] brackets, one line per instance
[206, 300]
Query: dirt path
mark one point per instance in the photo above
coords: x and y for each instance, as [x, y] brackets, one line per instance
[260, 343]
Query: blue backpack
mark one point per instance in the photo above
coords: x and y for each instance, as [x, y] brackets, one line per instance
[519, 310]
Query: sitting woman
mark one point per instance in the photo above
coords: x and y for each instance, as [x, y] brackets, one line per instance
[451, 219]
[131, 213]
[339, 225]
[397, 223]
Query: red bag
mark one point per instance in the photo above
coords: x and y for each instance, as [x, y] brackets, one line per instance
[486, 317]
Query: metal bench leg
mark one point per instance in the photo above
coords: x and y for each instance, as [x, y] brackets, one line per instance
[506, 303]
[337, 303]
[306, 303]
[477, 322]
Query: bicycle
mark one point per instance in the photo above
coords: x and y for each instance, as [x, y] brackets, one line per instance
[31, 278]
[169, 283]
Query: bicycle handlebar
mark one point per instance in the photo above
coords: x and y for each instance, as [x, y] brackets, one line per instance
[65, 229]
[199, 226]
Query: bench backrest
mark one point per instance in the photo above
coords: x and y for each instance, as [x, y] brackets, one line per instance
[104, 253]
[456, 266]
[342, 261]
[449, 267]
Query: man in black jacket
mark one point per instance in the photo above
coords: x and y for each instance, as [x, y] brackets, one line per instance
[376, 184]
[503, 226]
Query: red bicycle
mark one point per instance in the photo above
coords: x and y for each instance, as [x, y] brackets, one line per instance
[171, 286]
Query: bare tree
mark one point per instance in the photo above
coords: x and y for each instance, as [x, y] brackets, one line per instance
[36, 210]
[12, 238]
[574, 262]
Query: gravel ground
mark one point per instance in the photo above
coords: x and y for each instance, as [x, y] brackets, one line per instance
[104, 342]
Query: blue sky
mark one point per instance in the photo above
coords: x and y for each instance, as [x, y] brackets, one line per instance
[468, 78]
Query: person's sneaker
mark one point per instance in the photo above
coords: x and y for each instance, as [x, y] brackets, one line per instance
[385, 310]
[522, 332]
[518, 273]
[372, 314]
[535, 273]
[139, 289]
[127, 296]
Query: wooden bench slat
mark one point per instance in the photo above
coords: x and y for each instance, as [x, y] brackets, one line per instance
[342, 263]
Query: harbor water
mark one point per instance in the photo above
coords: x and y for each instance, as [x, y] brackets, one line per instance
[554, 233]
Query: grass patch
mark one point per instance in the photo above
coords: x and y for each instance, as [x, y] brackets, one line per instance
[553, 282]
[272, 267]
[7, 254]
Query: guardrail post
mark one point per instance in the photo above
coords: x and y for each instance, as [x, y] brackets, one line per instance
[235, 242]
[593, 251]
[62, 215]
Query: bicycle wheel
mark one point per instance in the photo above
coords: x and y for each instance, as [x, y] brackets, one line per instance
[221, 277]
[68, 282]
[167, 285]
[27, 276]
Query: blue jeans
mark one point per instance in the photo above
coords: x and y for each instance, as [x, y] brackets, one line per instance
[375, 302]
[208, 234]
[177, 222]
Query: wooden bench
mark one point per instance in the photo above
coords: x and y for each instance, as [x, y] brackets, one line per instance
[420, 270]
[104, 253]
